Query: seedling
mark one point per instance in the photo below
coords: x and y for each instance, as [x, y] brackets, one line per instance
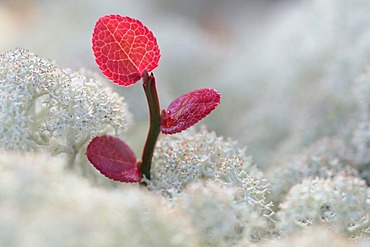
[126, 51]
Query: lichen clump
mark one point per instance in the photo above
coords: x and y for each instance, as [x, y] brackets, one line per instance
[207, 175]
[47, 107]
[43, 205]
[341, 202]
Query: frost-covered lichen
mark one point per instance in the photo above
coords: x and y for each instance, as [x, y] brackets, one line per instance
[44, 106]
[43, 205]
[342, 202]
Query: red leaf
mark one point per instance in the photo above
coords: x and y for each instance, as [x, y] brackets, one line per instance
[114, 159]
[124, 48]
[189, 109]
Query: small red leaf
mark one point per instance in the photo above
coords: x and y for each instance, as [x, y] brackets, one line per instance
[114, 159]
[188, 109]
[124, 48]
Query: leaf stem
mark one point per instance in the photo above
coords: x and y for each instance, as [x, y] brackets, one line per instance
[151, 94]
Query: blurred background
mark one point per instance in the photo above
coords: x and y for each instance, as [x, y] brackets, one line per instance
[284, 68]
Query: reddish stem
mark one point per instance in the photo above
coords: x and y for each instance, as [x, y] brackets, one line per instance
[151, 94]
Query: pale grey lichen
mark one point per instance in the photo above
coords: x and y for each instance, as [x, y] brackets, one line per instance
[361, 128]
[317, 236]
[192, 155]
[218, 173]
[324, 159]
[341, 202]
[292, 85]
[46, 107]
[219, 217]
[44, 205]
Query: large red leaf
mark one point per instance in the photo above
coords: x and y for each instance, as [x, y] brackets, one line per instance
[124, 48]
[188, 109]
[114, 159]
